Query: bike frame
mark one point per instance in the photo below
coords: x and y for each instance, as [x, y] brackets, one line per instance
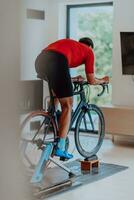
[82, 105]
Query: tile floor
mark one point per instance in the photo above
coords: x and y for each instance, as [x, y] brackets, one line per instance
[117, 187]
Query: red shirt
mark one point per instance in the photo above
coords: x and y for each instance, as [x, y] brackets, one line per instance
[76, 53]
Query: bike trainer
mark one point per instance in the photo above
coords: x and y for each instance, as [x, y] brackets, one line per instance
[56, 179]
[60, 178]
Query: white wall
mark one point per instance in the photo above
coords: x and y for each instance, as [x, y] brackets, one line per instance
[123, 86]
[34, 36]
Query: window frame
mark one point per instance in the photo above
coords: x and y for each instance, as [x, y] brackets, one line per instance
[68, 15]
[68, 8]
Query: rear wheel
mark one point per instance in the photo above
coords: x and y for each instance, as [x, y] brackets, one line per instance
[90, 131]
[37, 129]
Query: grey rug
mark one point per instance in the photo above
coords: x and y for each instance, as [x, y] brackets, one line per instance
[56, 180]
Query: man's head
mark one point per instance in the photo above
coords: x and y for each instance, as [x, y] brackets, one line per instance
[87, 41]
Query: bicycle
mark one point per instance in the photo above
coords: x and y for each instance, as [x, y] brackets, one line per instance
[40, 128]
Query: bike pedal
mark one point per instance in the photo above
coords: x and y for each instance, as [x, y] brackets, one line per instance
[63, 159]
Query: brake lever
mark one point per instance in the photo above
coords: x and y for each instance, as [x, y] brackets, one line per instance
[107, 88]
[104, 86]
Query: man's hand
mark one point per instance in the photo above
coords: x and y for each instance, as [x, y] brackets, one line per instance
[78, 78]
[105, 79]
[96, 81]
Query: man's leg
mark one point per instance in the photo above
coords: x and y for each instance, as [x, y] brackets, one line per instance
[65, 118]
[64, 123]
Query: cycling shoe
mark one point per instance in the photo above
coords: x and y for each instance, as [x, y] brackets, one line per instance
[63, 154]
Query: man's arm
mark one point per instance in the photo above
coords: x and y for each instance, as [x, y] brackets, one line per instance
[95, 81]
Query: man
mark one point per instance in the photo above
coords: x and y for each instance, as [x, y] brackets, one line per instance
[54, 63]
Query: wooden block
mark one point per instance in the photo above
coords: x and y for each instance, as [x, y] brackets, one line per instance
[95, 164]
[85, 166]
[88, 165]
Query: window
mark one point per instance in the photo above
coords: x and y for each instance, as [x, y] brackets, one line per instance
[94, 21]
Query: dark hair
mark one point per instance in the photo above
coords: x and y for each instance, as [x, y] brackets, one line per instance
[87, 41]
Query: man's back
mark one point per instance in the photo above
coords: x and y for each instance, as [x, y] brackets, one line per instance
[75, 52]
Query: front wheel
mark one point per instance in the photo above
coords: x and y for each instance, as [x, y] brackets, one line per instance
[90, 131]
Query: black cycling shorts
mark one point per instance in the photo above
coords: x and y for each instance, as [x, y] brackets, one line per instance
[53, 66]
